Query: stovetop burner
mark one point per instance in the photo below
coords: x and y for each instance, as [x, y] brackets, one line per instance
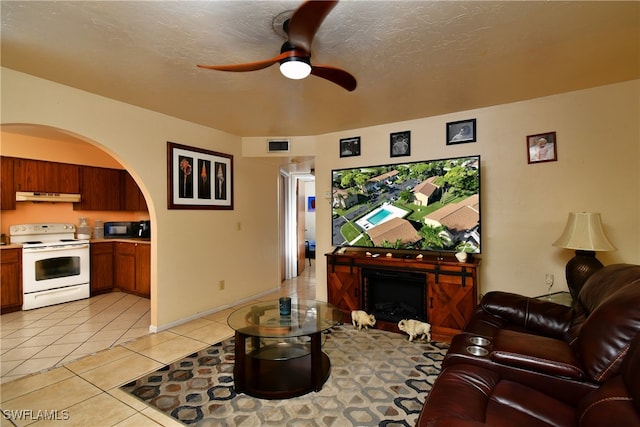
[32, 242]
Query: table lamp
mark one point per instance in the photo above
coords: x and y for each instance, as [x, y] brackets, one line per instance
[583, 233]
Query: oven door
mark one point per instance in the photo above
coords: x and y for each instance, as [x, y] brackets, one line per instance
[54, 267]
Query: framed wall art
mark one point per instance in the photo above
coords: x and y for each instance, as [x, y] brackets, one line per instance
[461, 132]
[400, 144]
[350, 147]
[542, 147]
[198, 178]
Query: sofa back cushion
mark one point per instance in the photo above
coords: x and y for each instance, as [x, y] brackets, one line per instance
[631, 372]
[613, 321]
[596, 289]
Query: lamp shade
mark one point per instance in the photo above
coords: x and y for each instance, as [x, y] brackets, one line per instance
[295, 68]
[584, 232]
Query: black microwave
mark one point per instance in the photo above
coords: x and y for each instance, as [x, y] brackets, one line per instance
[120, 229]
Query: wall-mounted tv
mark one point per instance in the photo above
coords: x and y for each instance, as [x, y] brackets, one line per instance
[431, 205]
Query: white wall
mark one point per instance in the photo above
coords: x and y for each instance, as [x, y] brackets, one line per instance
[524, 207]
[191, 250]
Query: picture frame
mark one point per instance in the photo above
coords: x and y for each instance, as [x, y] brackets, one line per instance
[400, 144]
[461, 132]
[542, 147]
[198, 178]
[350, 147]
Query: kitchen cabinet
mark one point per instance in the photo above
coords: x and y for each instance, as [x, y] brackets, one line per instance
[11, 273]
[99, 189]
[449, 287]
[143, 269]
[102, 267]
[44, 176]
[132, 197]
[132, 266]
[7, 184]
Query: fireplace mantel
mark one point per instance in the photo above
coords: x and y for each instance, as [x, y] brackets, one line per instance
[451, 286]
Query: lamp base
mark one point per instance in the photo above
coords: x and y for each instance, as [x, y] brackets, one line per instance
[579, 269]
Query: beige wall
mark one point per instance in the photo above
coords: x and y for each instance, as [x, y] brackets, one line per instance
[525, 207]
[191, 250]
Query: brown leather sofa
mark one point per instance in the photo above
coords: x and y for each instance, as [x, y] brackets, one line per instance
[528, 362]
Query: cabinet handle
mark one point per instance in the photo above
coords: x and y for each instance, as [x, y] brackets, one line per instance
[431, 302]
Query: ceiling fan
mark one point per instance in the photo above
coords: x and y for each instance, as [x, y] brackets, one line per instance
[295, 53]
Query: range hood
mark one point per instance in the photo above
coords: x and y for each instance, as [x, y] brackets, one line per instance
[36, 196]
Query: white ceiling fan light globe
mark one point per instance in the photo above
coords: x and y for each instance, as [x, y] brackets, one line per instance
[295, 68]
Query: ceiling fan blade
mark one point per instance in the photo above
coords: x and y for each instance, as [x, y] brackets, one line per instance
[250, 66]
[306, 20]
[335, 75]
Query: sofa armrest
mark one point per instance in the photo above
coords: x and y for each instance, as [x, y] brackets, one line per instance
[538, 316]
[535, 353]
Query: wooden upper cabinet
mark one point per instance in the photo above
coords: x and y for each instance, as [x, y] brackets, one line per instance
[7, 184]
[132, 197]
[47, 177]
[99, 189]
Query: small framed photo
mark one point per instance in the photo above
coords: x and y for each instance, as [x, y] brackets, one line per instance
[542, 147]
[198, 179]
[461, 132]
[350, 147]
[400, 144]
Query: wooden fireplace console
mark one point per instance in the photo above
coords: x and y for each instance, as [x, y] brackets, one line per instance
[451, 286]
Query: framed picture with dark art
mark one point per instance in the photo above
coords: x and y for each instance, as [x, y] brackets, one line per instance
[198, 178]
[542, 147]
[461, 132]
[400, 144]
[350, 147]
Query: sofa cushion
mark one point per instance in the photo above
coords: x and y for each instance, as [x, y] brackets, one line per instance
[469, 395]
[535, 353]
[504, 310]
[607, 333]
[598, 288]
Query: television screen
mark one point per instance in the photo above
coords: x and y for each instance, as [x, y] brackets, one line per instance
[431, 205]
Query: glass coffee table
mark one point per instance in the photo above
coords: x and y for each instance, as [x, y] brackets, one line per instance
[278, 356]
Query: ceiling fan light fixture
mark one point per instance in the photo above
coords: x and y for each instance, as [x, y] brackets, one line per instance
[295, 68]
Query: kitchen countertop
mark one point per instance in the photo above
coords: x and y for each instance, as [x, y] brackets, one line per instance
[11, 246]
[123, 239]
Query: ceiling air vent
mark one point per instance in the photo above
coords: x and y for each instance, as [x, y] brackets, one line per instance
[277, 145]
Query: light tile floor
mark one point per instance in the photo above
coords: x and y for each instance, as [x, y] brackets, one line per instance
[39, 339]
[85, 391]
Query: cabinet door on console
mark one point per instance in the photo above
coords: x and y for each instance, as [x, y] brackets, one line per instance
[344, 291]
[451, 299]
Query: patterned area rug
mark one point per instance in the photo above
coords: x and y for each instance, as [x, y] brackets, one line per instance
[377, 378]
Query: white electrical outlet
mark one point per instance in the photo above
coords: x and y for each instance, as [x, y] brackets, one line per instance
[221, 285]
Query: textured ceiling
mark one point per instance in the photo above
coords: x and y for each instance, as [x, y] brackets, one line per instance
[412, 59]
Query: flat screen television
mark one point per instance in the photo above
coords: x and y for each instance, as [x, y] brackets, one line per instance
[431, 205]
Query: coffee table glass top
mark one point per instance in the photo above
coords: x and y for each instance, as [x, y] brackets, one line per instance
[263, 319]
